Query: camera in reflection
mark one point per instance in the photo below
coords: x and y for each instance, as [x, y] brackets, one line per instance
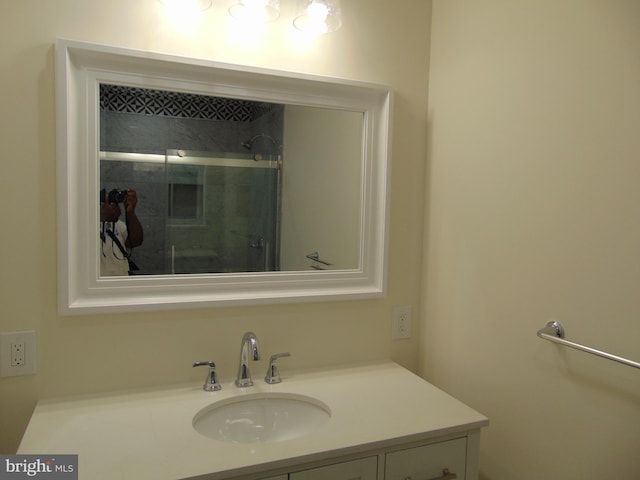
[117, 196]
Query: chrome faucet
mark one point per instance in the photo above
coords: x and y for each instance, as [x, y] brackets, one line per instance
[249, 345]
[273, 375]
[211, 383]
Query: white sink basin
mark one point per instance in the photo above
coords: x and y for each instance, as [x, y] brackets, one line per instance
[261, 417]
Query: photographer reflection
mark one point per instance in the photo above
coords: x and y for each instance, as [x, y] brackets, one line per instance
[118, 237]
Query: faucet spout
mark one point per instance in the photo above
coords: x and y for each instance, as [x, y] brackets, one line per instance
[248, 351]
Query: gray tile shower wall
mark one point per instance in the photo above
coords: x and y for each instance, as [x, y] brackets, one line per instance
[234, 198]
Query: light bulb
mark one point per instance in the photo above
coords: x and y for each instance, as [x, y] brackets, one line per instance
[317, 12]
[318, 16]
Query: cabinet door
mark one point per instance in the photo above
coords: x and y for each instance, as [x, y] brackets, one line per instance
[279, 477]
[363, 469]
[428, 462]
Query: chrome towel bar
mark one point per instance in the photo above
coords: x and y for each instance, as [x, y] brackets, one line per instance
[554, 332]
[315, 256]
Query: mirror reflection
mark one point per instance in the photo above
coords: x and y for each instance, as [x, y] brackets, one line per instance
[197, 184]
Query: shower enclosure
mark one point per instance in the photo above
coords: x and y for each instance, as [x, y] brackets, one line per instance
[207, 172]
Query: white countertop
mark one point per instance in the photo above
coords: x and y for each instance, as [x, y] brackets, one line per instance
[149, 434]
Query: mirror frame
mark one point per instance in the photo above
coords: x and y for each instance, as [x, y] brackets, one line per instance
[81, 67]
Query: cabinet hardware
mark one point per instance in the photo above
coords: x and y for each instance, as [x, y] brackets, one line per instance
[446, 475]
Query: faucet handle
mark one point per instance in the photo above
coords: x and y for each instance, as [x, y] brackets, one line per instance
[211, 381]
[273, 375]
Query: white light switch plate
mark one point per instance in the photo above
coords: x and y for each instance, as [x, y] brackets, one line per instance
[18, 353]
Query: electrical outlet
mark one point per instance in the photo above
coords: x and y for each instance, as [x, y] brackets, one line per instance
[17, 353]
[401, 323]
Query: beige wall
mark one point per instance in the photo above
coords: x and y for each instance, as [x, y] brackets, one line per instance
[105, 352]
[533, 214]
[327, 220]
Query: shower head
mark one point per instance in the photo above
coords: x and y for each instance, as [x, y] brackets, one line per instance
[249, 143]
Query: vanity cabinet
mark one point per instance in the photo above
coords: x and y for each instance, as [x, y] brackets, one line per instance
[377, 440]
[429, 462]
[449, 459]
[362, 469]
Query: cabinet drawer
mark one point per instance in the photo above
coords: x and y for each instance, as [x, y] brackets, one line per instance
[428, 462]
[362, 469]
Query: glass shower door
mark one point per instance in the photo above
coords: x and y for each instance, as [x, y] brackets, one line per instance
[222, 213]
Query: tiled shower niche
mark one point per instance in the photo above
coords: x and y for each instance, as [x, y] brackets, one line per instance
[196, 218]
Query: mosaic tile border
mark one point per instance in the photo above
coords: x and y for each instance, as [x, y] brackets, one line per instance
[118, 98]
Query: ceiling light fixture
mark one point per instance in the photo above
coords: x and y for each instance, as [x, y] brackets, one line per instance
[318, 16]
[189, 5]
[255, 10]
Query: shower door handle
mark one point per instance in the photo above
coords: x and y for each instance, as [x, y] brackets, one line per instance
[259, 243]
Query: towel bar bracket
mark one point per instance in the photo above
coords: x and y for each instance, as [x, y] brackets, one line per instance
[554, 328]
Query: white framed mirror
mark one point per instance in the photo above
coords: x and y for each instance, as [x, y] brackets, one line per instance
[251, 185]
